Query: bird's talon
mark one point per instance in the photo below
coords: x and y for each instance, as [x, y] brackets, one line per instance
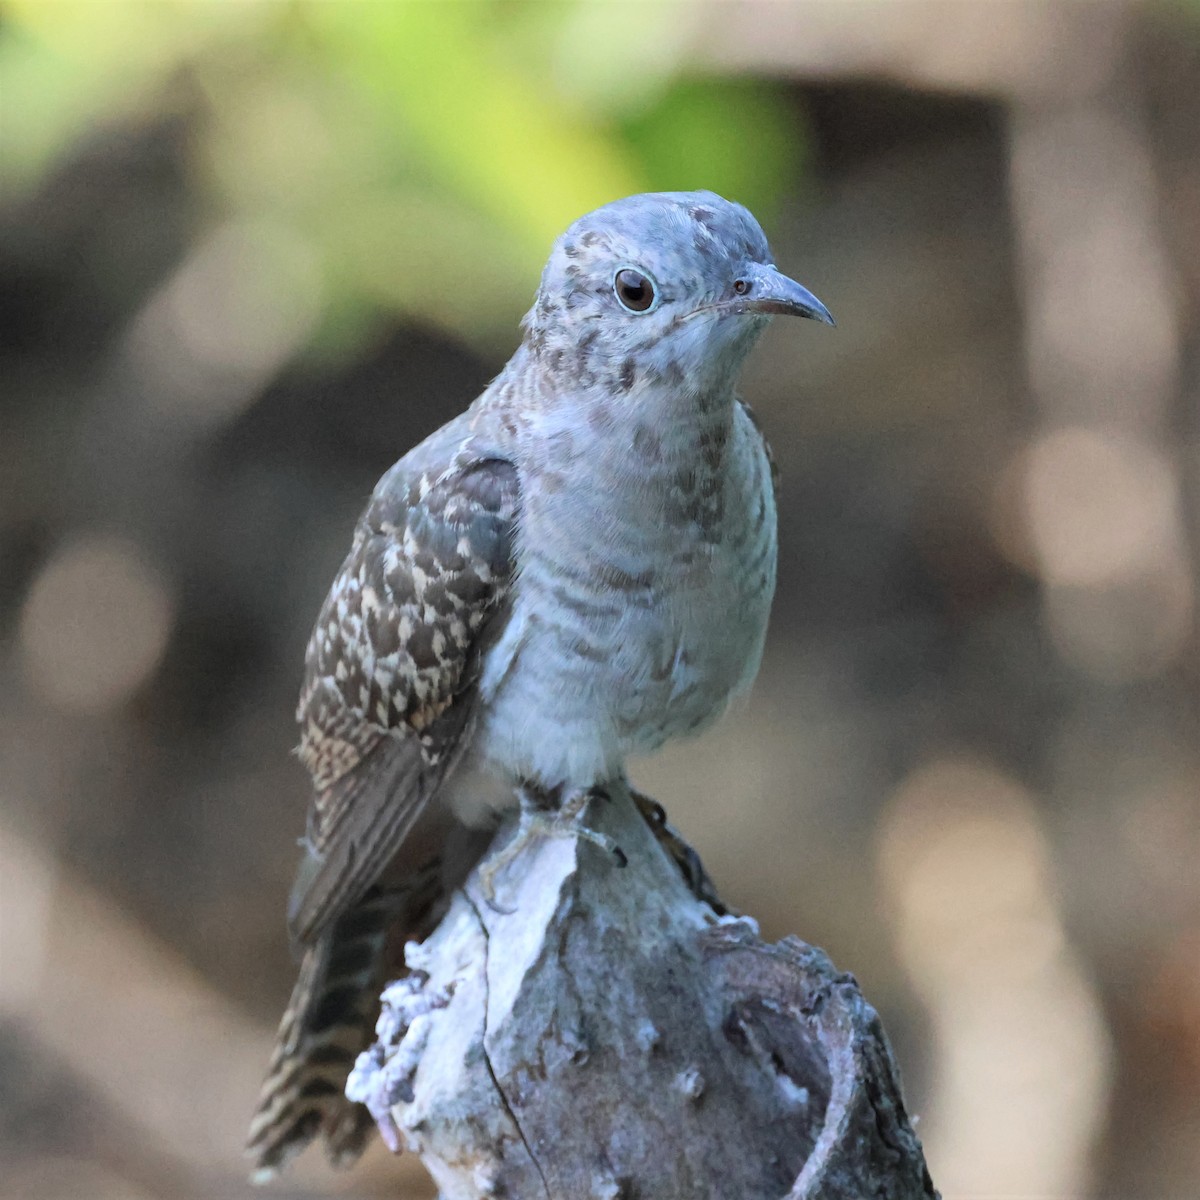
[601, 840]
[536, 823]
[650, 808]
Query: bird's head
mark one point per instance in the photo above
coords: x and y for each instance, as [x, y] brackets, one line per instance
[666, 287]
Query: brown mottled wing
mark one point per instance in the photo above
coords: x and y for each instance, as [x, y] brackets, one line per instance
[386, 701]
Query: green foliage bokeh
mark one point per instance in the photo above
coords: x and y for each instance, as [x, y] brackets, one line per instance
[420, 155]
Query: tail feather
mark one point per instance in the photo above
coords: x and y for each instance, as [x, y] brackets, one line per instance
[328, 1021]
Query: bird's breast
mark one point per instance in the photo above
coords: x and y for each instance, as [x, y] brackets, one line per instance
[639, 611]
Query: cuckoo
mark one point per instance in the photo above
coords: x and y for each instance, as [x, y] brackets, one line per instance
[576, 569]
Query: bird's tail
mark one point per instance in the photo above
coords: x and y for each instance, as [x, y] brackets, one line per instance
[329, 1020]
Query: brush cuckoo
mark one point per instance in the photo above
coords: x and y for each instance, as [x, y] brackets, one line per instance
[571, 572]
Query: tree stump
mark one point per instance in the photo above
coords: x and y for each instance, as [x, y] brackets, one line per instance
[613, 1037]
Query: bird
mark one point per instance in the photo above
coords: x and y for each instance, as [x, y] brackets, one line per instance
[576, 569]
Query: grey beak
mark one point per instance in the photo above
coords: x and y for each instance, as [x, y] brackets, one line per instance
[767, 291]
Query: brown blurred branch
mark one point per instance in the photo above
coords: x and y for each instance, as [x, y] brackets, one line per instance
[611, 1037]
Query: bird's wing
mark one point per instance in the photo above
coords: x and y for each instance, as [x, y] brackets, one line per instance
[386, 700]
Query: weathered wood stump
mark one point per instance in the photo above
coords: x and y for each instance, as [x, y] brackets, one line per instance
[612, 1037]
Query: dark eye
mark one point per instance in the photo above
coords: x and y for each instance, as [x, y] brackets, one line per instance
[634, 290]
[741, 286]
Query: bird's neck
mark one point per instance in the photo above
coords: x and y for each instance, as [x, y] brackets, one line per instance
[610, 481]
[669, 435]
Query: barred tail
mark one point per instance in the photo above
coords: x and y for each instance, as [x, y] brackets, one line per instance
[329, 1020]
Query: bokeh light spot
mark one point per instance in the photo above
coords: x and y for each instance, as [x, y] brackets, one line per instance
[1021, 1057]
[1099, 506]
[94, 625]
[234, 312]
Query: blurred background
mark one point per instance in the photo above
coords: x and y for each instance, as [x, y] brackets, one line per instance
[252, 252]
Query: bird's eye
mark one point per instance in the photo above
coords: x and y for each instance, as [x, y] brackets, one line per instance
[741, 286]
[634, 290]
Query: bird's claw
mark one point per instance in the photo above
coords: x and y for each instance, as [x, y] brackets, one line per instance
[537, 822]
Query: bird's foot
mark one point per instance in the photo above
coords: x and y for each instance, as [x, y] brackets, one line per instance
[686, 860]
[537, 821]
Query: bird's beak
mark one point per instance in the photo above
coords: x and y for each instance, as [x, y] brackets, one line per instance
[764, 290]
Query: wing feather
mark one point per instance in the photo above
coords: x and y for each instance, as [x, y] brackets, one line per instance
[387, 701]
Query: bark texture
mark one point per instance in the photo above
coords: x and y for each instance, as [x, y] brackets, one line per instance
[611, 1037]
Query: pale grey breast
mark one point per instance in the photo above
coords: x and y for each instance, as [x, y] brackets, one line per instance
[646, 566]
